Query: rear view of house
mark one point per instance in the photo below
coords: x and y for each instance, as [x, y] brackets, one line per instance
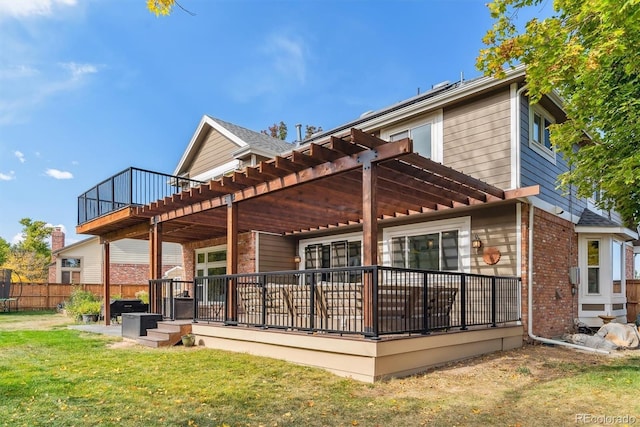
[432, 229]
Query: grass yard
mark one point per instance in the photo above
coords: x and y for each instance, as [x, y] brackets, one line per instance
[54, 376]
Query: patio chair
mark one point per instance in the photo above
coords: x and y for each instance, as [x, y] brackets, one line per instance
[439, 303]
[342, 304]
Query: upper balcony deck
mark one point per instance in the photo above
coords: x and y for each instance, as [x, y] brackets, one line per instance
[131, 187]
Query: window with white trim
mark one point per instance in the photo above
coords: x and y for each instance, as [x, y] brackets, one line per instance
[426, 134]
[539, 135]
[617, 254]
[70, 269]
[593, 266]
[211, 261]
[439, 245]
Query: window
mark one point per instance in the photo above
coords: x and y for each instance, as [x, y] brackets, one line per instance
[539, 136]
[593, 266]
[437, 245]
[421, 136]
[434, 251]
[426, 134]
[328, 253]
[70, 269]
[333, 255]
[211, 262]
[616, 266]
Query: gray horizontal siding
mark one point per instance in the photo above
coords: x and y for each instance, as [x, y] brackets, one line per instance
[535, 169]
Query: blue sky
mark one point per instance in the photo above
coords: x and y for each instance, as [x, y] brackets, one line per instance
[91, 87]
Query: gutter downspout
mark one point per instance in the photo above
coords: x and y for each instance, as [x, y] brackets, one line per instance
[530, 299]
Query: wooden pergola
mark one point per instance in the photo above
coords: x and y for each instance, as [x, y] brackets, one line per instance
[349, 180]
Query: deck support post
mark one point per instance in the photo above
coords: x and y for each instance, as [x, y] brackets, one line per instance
[369, 241]
[106, 279]
[232, 257]
[155, 260]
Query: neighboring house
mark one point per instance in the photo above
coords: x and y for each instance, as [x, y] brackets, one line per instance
[82, 262]
[460, 179]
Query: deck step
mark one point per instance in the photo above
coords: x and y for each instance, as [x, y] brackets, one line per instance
[167, 334]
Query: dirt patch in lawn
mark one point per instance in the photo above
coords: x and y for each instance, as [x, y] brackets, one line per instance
[501, 371]
[33, 322]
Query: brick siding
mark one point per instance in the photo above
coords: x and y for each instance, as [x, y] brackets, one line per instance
[555, 250]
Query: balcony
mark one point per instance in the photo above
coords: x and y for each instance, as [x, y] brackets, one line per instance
[129, 188]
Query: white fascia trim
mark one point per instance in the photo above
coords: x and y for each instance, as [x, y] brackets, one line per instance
[208, 121]
[251, 150]
[551, 208]
[437, 101]
[623, 232]
[220, 170]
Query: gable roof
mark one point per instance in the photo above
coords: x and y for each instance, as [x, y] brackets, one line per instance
[248, 141]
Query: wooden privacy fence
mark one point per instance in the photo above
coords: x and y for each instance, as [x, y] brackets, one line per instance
[633, 299]
[45, 296]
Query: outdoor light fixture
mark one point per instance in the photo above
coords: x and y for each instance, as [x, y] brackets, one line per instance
[297, 259]
[476, 243]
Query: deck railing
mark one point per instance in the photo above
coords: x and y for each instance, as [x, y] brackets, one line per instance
[131, 187]
[337, 300]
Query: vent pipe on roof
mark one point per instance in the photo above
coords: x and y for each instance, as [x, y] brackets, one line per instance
[299, 132]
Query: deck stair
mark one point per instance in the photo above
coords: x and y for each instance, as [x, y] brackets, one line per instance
[168, 333]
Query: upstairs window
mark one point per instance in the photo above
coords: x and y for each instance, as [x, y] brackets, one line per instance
[421, 136]
[539, 136]
[425, 132]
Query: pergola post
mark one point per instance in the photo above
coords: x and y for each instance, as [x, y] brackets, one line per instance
[369, 240]
[106, 280]
[155, 259]
[232, 256]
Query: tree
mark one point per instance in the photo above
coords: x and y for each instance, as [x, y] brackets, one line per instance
[310, 130]
[30, 257]
[5, 247]
[35, 235]
[280, 131]
[589, 52]
[277, 131]
[163, 7]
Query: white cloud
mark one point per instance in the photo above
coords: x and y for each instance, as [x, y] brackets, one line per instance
[17, 239]
[79, 70]
[20, 156]
[30, 90]
[24, 8]
[9, 177]
[58, 174]
[288, 56]
[283, 67]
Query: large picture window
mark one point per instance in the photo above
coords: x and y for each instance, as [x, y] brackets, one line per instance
[437, 245]
[434, 251]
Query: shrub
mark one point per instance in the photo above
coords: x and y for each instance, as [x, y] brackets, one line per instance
[76, 304]
[143, 296]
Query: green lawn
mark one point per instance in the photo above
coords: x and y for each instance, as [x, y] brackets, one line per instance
[54, 376]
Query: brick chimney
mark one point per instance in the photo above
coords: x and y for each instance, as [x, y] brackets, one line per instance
[57, 239]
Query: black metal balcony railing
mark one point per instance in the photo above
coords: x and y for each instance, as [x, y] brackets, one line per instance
[336, 300]
[131, 187]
